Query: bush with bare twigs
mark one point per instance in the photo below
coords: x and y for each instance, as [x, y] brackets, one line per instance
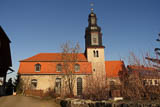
[96, 88]
[134, 85]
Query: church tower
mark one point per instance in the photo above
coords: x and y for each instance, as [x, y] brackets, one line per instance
[94, 48]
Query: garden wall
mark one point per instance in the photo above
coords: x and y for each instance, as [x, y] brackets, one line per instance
[89, 103]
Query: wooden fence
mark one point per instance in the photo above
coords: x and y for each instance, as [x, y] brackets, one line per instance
[39, 93]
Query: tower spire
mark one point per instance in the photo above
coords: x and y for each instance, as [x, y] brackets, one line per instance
[92, 4]
[93, 35]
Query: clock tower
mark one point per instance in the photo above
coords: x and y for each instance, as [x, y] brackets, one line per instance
[93, 45]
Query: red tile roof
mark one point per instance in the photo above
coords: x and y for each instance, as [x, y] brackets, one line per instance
[113, 68]
[136, 67]
[52, 57]
[49, 62]
[50, 68]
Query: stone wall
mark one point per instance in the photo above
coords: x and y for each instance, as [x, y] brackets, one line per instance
[89, 103]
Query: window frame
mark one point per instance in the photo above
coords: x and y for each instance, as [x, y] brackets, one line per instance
[58, 85]
[76, 67]
[58, 69]
[79, 86]
[37, 67]
[96, 53]
[34, 83]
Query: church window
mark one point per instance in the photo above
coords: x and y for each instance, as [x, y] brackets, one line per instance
[97, 54]
[37, 67]
[58, 85]
[94, 70]
[76, 67]
[79, 86]
[59, 68]
[33, 84]
[94, 53]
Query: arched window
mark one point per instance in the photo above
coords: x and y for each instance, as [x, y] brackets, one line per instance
[33, 84]
[58, 86]
[59, 68]
[94, 53]
[37, 67]
[94, 70]
[97, 54]
[76, 67]
[79, 86]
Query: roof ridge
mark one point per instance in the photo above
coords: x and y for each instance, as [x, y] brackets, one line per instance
[52, 57]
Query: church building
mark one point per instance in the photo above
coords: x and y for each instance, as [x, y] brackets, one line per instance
[45, 70]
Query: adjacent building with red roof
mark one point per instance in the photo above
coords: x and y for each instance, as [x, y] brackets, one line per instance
[149, 75]
[48, 70]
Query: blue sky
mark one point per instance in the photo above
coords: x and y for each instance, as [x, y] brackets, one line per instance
[36, 26]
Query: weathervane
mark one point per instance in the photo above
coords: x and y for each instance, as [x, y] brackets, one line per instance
[92, 4]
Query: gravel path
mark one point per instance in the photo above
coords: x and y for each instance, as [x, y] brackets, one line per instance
[23, 101]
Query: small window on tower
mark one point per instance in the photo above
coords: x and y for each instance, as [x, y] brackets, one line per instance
[94, 40]
[94, 70]
[94, 53]
[93, 21]
[97, 54]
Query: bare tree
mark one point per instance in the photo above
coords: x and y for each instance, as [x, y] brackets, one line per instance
[137, 80]
[131, 85]
[156, 60]
[24, 84]
[70, 58]
[96, 87]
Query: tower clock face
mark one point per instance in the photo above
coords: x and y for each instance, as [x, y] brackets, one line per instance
[94, 38]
